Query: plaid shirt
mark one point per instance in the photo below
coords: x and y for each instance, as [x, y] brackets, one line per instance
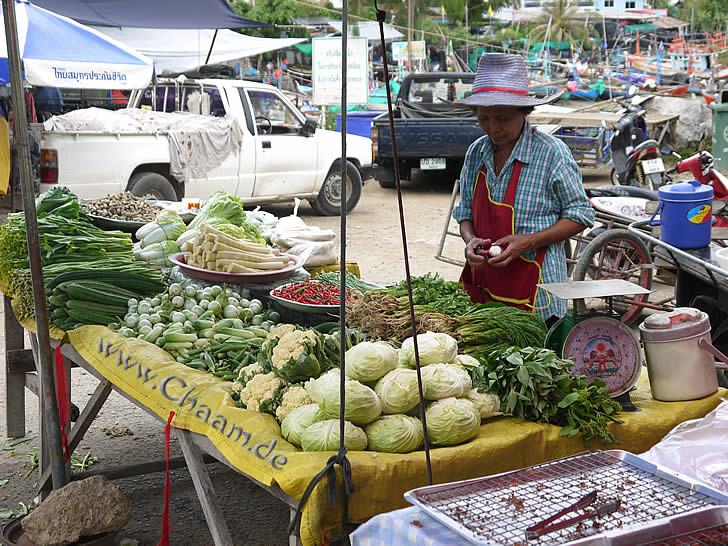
[550, 188]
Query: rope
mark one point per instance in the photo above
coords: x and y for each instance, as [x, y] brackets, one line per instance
[329, 472]
[381, 17]
[164, 539]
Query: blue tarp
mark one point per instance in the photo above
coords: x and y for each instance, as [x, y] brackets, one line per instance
[146, 14]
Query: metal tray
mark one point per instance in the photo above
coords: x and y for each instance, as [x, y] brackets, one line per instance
[708, 526]
[496, 510]
[235, 278]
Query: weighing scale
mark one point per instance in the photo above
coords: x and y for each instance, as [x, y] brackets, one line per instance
[601, 346]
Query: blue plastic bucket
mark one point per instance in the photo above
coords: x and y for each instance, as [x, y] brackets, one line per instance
[685, 214]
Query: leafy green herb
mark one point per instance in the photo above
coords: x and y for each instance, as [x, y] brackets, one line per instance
[536, 385]
[433, 294]
[491, 327]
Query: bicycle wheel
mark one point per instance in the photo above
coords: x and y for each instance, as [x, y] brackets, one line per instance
[616, 254]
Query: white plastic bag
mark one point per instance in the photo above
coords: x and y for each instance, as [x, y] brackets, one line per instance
[315, 245]
[697, 448]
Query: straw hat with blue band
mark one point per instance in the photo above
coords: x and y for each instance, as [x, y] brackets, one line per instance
[502, 80]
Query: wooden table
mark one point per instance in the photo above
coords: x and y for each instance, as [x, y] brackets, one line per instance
[197, 450]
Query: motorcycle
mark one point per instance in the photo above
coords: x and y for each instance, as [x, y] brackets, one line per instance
[636, 157]
[702, 167]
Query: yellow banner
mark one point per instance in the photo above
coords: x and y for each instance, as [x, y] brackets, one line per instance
[252, 441]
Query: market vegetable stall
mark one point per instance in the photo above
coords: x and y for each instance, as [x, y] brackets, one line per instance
[380, 479]
[217, 367]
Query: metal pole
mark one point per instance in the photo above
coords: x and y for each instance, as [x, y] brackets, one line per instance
[52, 427]
[410, 28]
[212, 44]
[343, 337]
[467, 35]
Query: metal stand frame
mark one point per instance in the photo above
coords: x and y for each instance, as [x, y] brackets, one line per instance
[446, 230]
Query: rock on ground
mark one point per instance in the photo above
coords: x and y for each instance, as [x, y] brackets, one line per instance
[695, 122]
[87, 507]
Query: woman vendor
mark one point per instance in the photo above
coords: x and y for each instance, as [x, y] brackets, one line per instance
[521, 193]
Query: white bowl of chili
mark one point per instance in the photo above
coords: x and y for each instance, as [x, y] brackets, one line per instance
[302, 296]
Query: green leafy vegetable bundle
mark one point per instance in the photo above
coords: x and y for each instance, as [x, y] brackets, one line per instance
[433, 294]
[492, 327]
[536, 385]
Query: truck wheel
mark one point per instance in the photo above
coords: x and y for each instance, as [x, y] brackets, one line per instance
[152, 186]
[388, 184]
[328, 202]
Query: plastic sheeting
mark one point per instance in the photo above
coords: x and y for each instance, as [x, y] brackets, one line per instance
[59, 52]
[157, 14]
[697, 448]
[197, 144]
[180, 50]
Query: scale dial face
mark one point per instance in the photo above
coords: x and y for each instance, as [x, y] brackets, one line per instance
[604, 348]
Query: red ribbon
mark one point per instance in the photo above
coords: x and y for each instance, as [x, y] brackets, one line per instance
[164, 539]
[499, 90]
[64, 406]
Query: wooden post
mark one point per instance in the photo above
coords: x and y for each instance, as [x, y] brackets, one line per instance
[14, 380]
[51, 431]
[205, 491]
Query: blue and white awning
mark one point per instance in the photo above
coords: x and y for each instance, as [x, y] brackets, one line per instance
[58, 52]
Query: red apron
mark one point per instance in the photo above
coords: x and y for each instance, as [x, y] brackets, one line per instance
[514, 284]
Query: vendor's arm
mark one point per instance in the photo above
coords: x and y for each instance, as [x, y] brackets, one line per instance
[463, 212]
[576, 214]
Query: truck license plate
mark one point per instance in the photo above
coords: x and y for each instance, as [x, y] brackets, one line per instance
[650, 166]
[433, 163]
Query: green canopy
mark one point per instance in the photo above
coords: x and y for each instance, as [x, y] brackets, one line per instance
[642, 26]
[306, 49]
[539, 46]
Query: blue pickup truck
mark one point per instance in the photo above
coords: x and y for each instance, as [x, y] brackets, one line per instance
[433, 133]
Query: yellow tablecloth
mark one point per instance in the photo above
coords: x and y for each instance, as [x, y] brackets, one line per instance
[252, 442]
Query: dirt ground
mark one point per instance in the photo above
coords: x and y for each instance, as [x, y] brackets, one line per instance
[253, 516]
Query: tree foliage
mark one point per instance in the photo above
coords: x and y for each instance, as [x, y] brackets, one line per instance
[710, 15]
[560, 22]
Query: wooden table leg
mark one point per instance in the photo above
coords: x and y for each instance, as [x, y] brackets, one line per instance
[14, 380]
[205, 491]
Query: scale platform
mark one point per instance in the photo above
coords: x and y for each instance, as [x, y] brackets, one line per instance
[606, 288]
[601, 346]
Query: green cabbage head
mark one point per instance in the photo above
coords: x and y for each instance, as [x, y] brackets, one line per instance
[445, 380]
[362, 403]
[488, 404]
[452, 421]
[467, 361]
[398, 391]
[298, 420]
[434, 348]
[369, 361]
[324, 436]
[395, 434]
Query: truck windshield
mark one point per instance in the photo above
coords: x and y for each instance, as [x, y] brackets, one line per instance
[438, 90]
[193, 98]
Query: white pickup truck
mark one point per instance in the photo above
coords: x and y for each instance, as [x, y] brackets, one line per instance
[282, 156]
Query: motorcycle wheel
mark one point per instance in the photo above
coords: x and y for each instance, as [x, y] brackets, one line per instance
[614, 177]
[616, 254]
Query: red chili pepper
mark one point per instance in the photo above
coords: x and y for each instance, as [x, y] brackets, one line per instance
[312, 293]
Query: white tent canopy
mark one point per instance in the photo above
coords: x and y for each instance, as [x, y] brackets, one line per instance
[370, 31]
[177, 50]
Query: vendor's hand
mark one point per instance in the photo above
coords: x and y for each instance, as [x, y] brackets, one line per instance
[474, 259]
[513, 246]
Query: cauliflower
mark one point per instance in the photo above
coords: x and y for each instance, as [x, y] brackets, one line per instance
[294, 357]
[266, 348]
[263, 393]
[246, 374]
[294, 397]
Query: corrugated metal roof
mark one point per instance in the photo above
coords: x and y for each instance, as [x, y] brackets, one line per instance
[669, 22]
